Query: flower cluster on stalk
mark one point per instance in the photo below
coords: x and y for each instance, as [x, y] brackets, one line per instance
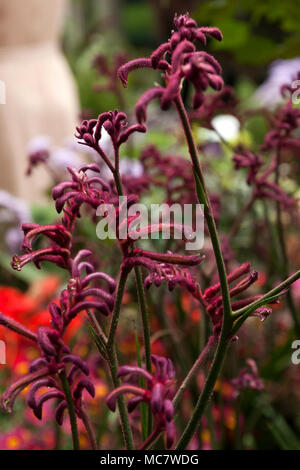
[158, 393]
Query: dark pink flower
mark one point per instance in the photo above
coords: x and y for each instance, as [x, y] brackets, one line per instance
[158, 393]
[179, 60]
[248, 378]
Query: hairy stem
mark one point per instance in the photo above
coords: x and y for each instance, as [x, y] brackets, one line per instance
[71, 409]
[89, 429]
[204, 199]
[117, 309]
[125, 425]
[219, 358]
[283, 250]
[206, 392]
[204, 357]
[140, 292]
[145, 322]
[238, 221]
[113, 363]
[244, 312]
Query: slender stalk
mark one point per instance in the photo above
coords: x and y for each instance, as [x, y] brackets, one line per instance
[89, 429]
[140, 292]
[204, 357]
[71, 409]
[151, 439]
[144, 315]
[283, 250]
[224, 141]
[272, 293]
[206, 392]
[145, 322]
[113, 362]
[125, 425]
[113, 367]
[117, 309]
[204, 199]
[219, 358]
[238, 221]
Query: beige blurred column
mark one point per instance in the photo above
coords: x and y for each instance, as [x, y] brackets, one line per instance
[41, 97]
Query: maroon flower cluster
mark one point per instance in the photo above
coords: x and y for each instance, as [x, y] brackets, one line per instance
[248, 378]
[198, 67]
[116, 125]
[170, 172]
[109, 71]
[86, 289]
[46, 372]
[158, 394]
[223, 102]
[263, 187]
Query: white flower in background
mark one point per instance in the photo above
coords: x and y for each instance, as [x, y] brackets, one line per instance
[62, 157]
[227, 126]
[39, 143]
[280, 72]
[130, 167]
[13, 213]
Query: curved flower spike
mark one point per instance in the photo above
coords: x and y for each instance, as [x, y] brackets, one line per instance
[38, 408]
[31, 400]
[136, 64]
[48, 340]
[8, 398]
[143, 102]
[84, 384]
[200, 68]
[77, 361]
[132, 370]
[15, 326]
[59, 412]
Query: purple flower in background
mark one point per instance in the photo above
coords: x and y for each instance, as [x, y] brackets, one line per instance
[262, 183]
[280, 72]
[286, 121]
[41, 150]
[250, 160]
[248, 378]
[13, 213]
[158, 393]
[223, 102]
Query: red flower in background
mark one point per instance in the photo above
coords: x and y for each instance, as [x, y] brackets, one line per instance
[31, 309]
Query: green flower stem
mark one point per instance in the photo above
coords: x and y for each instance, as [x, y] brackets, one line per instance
[71, 409]
[283, 250]
[113, 362]
[145, 322]
[221, 351]
[207, 390]
[116, 312]
[141, 297]
[113, 365]
[204, 199]
[204, 357]
[89, 429]
[125, 425]
[144, 315]
[244, 312]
